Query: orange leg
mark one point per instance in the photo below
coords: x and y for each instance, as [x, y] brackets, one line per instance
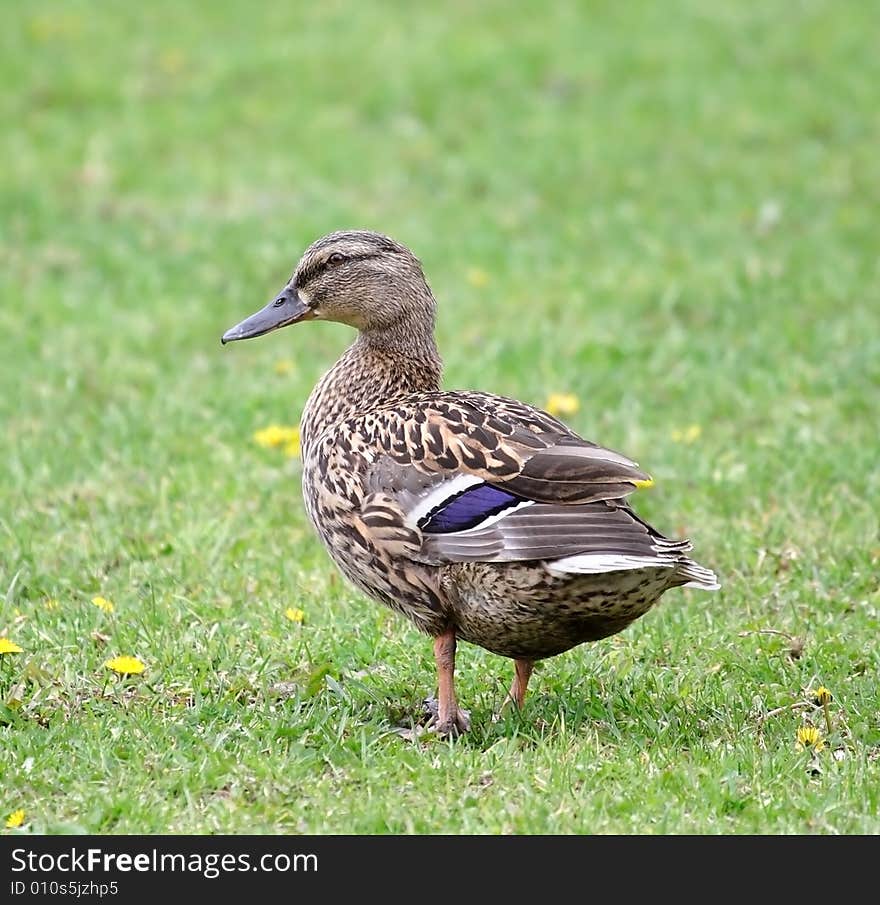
[522, 674]
[450, 719]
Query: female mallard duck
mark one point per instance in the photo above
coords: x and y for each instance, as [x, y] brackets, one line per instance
[478, 517]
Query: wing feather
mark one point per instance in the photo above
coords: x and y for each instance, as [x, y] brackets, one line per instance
[546, 531]
[501, 441]
[443, 461]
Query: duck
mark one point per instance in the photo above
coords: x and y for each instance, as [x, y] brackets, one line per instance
[478, 517]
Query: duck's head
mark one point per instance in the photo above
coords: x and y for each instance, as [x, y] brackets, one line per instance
[359, 278]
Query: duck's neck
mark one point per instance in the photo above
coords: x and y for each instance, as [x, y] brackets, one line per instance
[376, 369]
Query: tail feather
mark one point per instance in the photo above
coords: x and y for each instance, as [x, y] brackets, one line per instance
[690, 574]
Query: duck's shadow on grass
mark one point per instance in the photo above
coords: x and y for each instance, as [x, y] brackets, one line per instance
[546, 717]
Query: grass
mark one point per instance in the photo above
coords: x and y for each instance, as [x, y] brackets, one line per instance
[670, 212]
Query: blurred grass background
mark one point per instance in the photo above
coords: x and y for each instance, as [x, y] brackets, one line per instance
[669, 211]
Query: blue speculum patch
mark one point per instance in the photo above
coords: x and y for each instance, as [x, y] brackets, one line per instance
[468, 509]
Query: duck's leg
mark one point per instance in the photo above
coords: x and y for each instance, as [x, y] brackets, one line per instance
[450, 719]
[522, 672]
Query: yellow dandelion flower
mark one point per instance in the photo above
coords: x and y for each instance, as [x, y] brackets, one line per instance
[283, 366]
[51, 604]
[822, 696]
[126, 666]
[687, 435]
[172, 62]
[9, 647]
[810, 737]
[294, 615]
[562, 404]
[103, 604]
[54, 27]
[269, 436]
[477, 277]
[15, 819]
[276, 435]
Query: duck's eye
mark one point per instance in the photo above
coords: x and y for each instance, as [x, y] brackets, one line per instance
[336, 258]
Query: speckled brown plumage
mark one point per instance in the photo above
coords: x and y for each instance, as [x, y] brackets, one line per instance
[476, 516]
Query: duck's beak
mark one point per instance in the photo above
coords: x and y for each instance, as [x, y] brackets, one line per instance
[287, 308]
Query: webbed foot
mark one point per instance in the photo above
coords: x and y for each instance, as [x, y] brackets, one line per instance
[454, 723]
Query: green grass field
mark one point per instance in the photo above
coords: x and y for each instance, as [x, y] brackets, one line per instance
[669, 211]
